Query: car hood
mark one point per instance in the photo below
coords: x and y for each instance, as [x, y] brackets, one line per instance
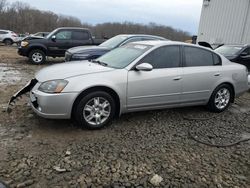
[32, 38]
[230, 57]
[86, 49]
[67, 70]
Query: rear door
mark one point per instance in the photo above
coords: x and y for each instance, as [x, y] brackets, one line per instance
[202, 69]
[81, 38]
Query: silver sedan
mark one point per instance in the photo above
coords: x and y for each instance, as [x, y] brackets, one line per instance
[139, 76]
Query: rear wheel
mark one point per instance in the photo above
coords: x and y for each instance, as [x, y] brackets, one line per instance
[95, 110]
[221, 98]
[37, 57]
[8, 42]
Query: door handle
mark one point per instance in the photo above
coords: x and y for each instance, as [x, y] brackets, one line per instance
[177, 78]
[217, 74]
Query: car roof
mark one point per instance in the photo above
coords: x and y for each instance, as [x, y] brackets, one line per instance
[72, 28]
[160, 43]
[237, 45]
[141, 35]
[5, 30]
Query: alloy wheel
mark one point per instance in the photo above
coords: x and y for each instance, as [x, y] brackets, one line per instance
[222, 98]
[96, 111]
[37, 57]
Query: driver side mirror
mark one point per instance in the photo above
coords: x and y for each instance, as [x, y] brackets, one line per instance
[245, 55]
[53, 38]
[144, 67]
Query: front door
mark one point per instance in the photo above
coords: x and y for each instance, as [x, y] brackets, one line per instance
[62, 42]
[159, 87]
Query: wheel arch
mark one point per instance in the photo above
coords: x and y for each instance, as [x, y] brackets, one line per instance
[8, 39]
[229, 84]
[37, 48]
[107, 89]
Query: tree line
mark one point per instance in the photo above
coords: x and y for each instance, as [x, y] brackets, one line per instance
[21, 18]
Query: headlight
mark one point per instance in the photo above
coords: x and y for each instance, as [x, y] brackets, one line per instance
[53, 86]
[80, 56]
[24, 43]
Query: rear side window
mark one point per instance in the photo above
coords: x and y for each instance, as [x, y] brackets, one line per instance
[80, 35]
[198, 57]
[164, 57]
[3, 32]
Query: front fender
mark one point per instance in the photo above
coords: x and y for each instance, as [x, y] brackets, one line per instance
[115, 80]
[37, 46]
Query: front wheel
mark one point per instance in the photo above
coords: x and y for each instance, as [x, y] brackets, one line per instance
[95, 110]
[221, 98]
[37, 57]
[8, 42]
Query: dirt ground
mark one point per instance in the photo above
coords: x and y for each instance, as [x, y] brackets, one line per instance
[135, 150]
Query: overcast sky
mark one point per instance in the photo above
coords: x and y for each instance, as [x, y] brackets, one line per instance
[180, 14]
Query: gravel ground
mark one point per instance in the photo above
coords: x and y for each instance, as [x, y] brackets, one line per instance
[146, 149]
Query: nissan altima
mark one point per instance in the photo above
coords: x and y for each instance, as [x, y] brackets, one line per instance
[138, 76]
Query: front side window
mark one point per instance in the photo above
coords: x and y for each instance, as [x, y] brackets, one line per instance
[197, 57]
[64, 35]
[164, 57]
[80, 35]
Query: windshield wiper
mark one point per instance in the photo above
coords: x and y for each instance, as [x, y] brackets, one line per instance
[99, 62]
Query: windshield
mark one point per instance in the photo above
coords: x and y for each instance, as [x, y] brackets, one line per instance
[114, 41]
[51, 34]
[228, 50]
[123, 56]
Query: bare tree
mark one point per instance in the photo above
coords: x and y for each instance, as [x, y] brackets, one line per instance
[21, 18]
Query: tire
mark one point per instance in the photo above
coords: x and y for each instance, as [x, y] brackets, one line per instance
[37, 57]
[221, 98]
[8, 42]
[88, 114]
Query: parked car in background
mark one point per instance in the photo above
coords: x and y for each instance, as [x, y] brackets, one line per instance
[93, 52]
[8, 37]
[135, 77]
[236, 53]
[55, 44]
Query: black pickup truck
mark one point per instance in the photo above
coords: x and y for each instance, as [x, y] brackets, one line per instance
[56, 43]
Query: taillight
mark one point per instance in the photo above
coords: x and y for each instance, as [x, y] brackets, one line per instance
[13, 34]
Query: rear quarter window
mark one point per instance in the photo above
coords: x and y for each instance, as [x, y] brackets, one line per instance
[80, 35]
[217, 59]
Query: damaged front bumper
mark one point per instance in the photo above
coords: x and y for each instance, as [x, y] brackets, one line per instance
[27, 88]
[47, 105]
